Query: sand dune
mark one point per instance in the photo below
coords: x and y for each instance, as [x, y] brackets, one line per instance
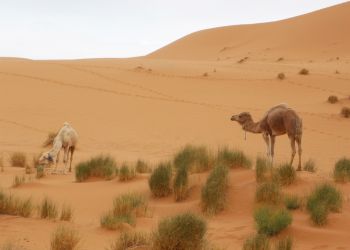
[149, 107]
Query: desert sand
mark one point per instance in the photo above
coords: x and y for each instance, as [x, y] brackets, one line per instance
[185, 93]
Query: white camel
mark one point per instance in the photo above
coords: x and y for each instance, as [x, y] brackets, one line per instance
[67, 139]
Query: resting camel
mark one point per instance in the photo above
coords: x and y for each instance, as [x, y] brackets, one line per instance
[279, 120]
[67, 139]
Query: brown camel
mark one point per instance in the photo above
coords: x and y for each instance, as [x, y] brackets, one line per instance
[279, 120]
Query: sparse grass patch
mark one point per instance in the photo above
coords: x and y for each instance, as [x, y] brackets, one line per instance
[268, 192]
[194, 158]
[292, 202]
[341, 171]
[271, 221]
[257, 242]
[131, 240]
[284, 244]
[66, 213]
[325, 198]
[262, 169]
[40, 171]
[10, 246]
[183, 231]
[181, 183]
[213, 196]
[280, 59]
[233, 158]
[48, 209]
[18, 181]
[159, 182]
[12, 205]
[142, 167]
[205, 74]
[100, 166]
[49, 139]
[345, 112]
[64, 238]
[18, 159]
[126, 173]
[310, 166]
[285, 174]
[281, 76]
[303, 72]
[332, 99]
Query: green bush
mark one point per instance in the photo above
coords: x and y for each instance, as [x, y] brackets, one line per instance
[233, 158]
[48, 209]
[285, 174]
[292, 202]
[341, 171]
[126, 173]
[100, 166]
[64, 238]
[194, 158]
[131, 240]
[183, 231]
[310, 166]
[12, 205]
[257, 242]
[284, 244]
[262, 169]
[271, 221]
[181, 183]
[268, 192]
[18, 159]
[142, 167]
[159, 182]
[325, 198]
[214, 192]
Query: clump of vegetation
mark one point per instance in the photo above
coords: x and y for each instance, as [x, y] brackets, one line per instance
[18, 159]
[18, 181]
[257, 242]
[233, 158]
[48, 209]
[243, 60]
[281, 76]
[142, 167]
[341, 171]
[9, 204]
[262, 169]
[205, 74]
[49, 139]
[271, 221]
[181, 183]
[285, 174]
[280, 59]
[64, 238]
[332, 99]
[66, 213]
[304, 72]
[345, 112]
[125, 209]
[284, 244]
[325, 198]
[292, 202]
[131, 240]
[126, 173]
[214, 192]
[310, 166]
[159, 182]
[195, 158]
[183, 231]
[10, 246]
[40, 171]
[100, 166]
[268, 192]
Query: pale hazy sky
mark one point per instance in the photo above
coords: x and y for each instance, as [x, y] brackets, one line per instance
[44, 29]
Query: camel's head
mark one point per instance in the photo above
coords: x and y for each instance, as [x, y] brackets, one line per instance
[242, 118]
[46, 159]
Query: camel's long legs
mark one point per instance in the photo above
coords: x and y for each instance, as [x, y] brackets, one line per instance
[299, 153]
[272, 150]
[57, 159]
[71, 158]
[267, 141]
[292, 144]
[65, 158]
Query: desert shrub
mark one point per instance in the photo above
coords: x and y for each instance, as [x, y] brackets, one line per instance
[18, 181]
[111, 222]
[332, 99]
[126, 173]
[195, 158]
[49, 139]
[159, 181]
[100, 166]
[310, 166]
[142, 167]
[66, 213]
[304, 72]
[281, 76]
[205, 74]
[271, 221]
[262, 169]
[64, 238]
[213, 196]
[257, 242]
[40, 171]
[341, 171]
[285, 174]
[325, 198]
[11, 246]
[292, 202]
[280, 59]
[183, 231]
[48, 209]
[284, 244]
[18, 159]
[233, 158]
[345, 112]
[131, 240]
[181, 183]
[268, 192]
[12, 205]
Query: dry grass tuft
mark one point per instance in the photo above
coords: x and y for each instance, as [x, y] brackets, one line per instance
[303, 72]
[281, 76]
[18, 159]
[64, 238]
[131, 240]
[332, 99]
[345, 112]
[18, 181]
[66, 213]
[48, 209]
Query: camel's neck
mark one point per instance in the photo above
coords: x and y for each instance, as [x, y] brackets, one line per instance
[56, 148]
[253, 127]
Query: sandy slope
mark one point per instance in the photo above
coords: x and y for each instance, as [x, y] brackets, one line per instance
[149, 107]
